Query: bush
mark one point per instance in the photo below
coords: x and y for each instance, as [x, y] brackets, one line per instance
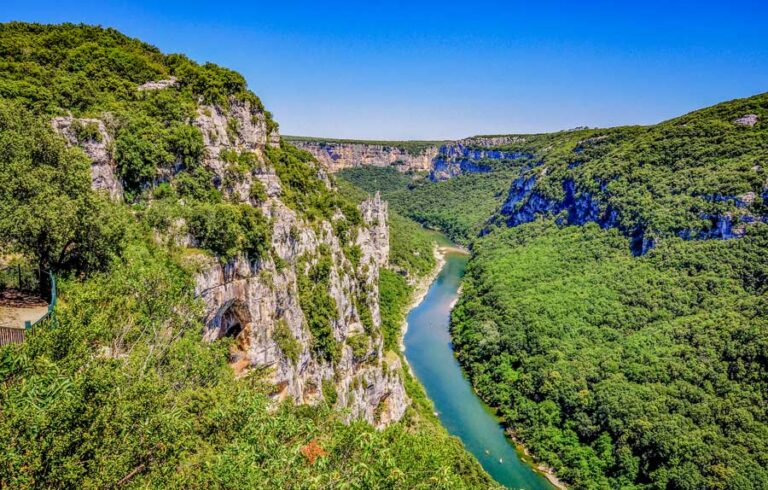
[285, 340]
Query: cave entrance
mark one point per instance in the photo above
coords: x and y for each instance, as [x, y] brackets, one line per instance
[230, 321]
[231, 325]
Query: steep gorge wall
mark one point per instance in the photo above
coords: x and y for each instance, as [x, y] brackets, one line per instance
[258, 301]
[441, 161]
[336, 156]
[572, 189]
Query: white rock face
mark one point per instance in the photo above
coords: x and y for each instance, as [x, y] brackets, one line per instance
[242, 127]
[376, 240]
[158, 85]
[491, 141]
[338, 156]
[443, 161]
[250, 299]
[103, 168]
[747, 120]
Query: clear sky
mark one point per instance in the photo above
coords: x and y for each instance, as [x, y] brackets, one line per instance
[444, 70]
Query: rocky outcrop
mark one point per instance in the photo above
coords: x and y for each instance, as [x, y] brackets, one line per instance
[525, 203]
[241, 127]
[336, 156]
[258, 303]
[93, 138]
[458, 158]
[747, 120]
[252, 300]
[492, 141]
[374, 213]
[442, 162]
[158, 84]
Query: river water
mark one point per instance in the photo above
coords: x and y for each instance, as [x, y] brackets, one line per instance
[430, 353]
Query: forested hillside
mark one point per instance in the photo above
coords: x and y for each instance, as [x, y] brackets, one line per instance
[458, 207]
[141, 179]
[615, 308]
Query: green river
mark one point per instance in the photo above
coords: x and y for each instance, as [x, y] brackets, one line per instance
[429, 352]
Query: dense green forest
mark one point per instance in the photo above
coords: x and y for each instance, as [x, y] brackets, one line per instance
[618, 371]
[122, 390]
[459, 207]
[622, 371]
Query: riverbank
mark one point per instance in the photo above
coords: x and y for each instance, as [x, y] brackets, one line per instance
[421, 288]
[545, 470]
[418, 296]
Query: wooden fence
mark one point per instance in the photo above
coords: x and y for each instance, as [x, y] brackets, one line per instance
[10, 335]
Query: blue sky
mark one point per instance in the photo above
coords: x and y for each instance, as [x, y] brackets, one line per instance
[441, 70]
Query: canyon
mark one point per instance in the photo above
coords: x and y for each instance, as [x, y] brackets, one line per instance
[251, 300]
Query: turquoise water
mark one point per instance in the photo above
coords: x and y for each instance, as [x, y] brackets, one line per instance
[429, 352]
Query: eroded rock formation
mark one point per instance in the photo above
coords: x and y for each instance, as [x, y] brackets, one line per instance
[251, 300]
[440, 161]
[257, 302]
[336, 156]
[96, 143]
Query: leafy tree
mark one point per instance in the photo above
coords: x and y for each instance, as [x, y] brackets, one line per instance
[47, 208]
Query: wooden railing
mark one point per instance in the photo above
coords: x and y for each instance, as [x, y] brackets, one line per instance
[53, 296]
[10, 335]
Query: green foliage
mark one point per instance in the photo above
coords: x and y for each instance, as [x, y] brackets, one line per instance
[47, 208]
[305, 192]
[79, 68]
[123, 392]
[394, 297]
[197, 185]
[140, 151]
[145, 403]
[286, 341]
[318, 305]
[85, 132]
[411, 247]
[383, 179]
[258, 191]
[359, 344]
[459, 207]
[185, 142]
[668, 177]
[228, 229]
[621, 371]
[329, 392]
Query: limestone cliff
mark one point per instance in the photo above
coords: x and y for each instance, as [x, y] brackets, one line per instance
[441, 160]
[258, 302]
[251, 301]
[340, 155]
[96, 144]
